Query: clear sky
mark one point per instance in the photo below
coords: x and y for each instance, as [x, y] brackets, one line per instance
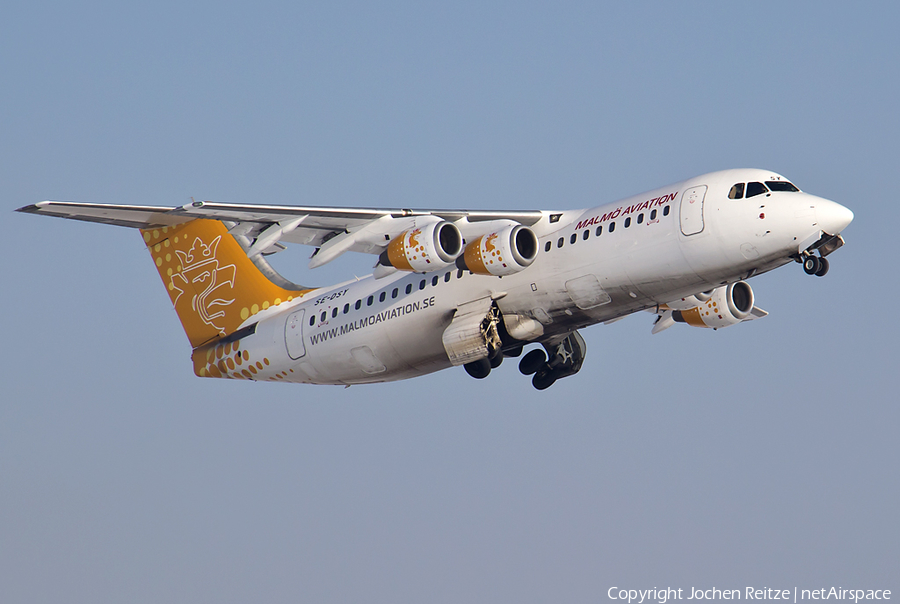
[762, 455]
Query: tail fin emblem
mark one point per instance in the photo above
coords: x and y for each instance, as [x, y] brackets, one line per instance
[212, 285]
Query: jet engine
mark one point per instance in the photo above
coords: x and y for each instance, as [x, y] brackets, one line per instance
[691, 301]
[726, 306]
[427, 248]
[500, 253]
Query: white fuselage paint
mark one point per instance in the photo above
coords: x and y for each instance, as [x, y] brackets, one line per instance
[636, 267]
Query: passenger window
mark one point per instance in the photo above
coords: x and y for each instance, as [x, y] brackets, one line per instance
[573, 238]
[612, 227]
[447, 278]
[323, 317]
[346, 308]
[628, 222]
[560, 242]
[370, 300]
[334, 312]
[755, 188]
[586, 234]
[666, 211]
[395, 293]
[547, 246]
[737, 191]
[422, 284]
[640, 218]
[358, 304]
[653, 215]
[459, 274]
[408, 287]
[599, 230]
[434, 280]
[312, 320]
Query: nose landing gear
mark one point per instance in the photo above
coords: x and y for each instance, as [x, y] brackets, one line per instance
[815, 265]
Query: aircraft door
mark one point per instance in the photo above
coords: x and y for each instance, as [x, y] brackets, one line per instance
[692, 210]
[293, 334]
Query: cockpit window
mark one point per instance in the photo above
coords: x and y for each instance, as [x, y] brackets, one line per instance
[737, 191]
[756, 188]
[781, 185]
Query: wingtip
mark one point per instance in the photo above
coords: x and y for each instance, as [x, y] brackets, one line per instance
[34, 207]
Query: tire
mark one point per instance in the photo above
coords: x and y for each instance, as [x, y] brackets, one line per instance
[496, 358]
[823, 267]
[543, 379]
[532, 361]
[479, 369]
[811, 265]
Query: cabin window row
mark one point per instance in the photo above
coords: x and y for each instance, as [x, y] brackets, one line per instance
[586, 234]
[382, 296]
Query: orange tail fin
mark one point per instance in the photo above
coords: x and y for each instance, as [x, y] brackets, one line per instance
[212, 283]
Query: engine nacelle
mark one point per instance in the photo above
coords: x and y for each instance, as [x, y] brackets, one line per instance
[728, 305]
[427, 248]
[691, 301]
[501, 253]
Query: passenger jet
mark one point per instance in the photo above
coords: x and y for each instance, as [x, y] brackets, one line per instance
[468, 287]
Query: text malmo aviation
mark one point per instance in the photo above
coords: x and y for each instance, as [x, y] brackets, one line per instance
[457, 287]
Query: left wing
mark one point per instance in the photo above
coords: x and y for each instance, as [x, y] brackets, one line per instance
[264, 227]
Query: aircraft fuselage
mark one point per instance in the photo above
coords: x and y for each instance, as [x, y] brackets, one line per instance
[593, 265]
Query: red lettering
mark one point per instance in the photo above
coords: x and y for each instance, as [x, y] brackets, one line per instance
[586, 223]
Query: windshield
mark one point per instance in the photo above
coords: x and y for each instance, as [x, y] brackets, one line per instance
[781, 185]
[756, 188]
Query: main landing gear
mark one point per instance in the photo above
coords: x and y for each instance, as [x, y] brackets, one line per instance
[563, 357]
[815, 265]
[561, 360]
[481, 368]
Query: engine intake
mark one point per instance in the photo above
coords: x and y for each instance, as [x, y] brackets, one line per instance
[428, 248]
[501, 253]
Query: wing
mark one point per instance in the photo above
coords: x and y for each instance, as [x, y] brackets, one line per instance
[263, 228]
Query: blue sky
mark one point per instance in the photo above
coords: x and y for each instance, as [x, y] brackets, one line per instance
[765, 454]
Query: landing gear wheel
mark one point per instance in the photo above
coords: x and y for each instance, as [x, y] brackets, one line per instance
[479, 369]
[496, 358]
[543, 379]
[823, 267]
[532, 361]
[811, 265]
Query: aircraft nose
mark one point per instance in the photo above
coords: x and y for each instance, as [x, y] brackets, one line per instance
[832, 217]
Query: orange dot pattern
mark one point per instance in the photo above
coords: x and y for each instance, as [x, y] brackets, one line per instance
[231, 362]
[483, 257]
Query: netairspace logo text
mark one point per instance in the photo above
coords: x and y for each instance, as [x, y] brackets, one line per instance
[663, 595]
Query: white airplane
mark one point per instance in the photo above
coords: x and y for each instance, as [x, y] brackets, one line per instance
[457, 287]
